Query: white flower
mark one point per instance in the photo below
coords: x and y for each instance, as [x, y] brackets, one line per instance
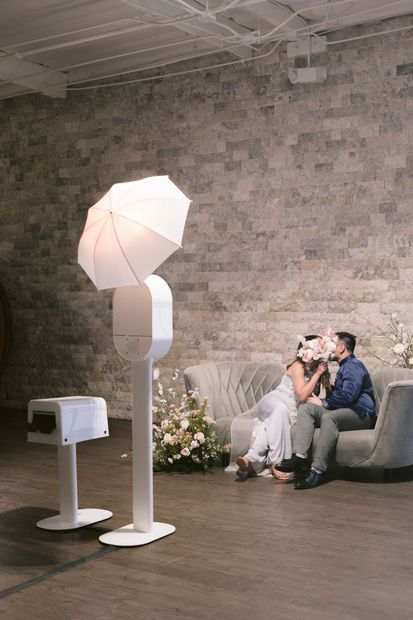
[167, 439]
[394, 315]
[194, 444]
[185, 452]
[124, 456]
[156, 374]
[307, 355]
[200, 437]
[410, 361]
[399, 348]
[170, 460]
[184, 424]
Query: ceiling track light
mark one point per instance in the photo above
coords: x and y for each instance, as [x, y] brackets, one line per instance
[304, 48]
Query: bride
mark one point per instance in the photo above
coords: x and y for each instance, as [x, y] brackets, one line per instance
[277, 410]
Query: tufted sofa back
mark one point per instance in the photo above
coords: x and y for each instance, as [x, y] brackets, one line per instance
[232, 387]
[383, 377]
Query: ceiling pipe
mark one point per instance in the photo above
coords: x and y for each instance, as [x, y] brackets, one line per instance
[175, 73]
[326, 5]
[97, 37]
[139, 69]
[116, 56]
[149, 67]
[67, 34]
[208, 16]
[370, 34]
[198, 16]
[229, 5]
[241, 41]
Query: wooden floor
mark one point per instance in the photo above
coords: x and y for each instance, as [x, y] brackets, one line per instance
[241, 550]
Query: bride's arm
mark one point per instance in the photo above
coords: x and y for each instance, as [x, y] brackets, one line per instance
[302, 388]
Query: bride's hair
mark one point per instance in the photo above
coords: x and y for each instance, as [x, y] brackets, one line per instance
[309, 369]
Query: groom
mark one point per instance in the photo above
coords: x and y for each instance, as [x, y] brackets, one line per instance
[349, 407]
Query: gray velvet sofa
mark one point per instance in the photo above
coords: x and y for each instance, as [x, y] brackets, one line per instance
[390, 444]
[233, 388]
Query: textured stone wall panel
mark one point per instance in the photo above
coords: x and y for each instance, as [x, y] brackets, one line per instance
[301, 216]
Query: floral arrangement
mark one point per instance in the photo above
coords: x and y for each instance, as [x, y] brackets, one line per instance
[184, 438]
[319, 349]
[399, 342]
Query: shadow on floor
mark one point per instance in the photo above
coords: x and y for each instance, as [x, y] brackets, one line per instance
[24, 544]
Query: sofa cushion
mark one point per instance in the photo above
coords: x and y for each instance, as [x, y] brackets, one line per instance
[353, 447]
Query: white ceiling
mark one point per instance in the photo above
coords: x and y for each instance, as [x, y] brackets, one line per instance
[53, 46]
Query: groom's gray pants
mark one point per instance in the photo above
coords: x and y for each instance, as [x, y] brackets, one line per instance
[330, 422]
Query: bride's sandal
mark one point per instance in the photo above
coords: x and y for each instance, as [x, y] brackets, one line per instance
[281, 476]
[242, 464]
[243, 467]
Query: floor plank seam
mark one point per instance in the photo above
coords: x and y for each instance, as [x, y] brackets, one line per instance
[63, 568]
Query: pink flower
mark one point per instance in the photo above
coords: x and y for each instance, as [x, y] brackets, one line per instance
[318, 349]
[329, 332]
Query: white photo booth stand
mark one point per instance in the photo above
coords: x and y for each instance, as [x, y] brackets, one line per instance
[128, 234]
[142, 333]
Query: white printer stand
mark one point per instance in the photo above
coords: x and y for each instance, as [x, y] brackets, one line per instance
[64, 422]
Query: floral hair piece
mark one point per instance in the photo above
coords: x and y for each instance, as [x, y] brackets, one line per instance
[319, 349]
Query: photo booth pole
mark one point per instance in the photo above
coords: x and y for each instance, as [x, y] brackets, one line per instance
[128, 234]
[142, 333]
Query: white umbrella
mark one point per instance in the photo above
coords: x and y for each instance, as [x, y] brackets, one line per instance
[131, 231]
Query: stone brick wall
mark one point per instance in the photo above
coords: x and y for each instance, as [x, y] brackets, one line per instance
[301, 215]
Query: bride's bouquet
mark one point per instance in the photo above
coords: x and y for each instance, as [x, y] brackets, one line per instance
[319, 349]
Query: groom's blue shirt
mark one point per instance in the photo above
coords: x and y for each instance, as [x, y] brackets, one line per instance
[352, 389]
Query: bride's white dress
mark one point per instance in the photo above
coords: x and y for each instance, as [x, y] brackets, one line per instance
[270, 422]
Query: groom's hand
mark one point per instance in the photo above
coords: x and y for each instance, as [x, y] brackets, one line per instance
[314, 400]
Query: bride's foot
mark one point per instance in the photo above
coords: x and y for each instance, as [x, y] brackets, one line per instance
[243, 463]
[281, 475]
